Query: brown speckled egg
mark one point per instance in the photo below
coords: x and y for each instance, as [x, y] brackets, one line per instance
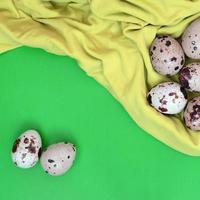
[192, 114]
[167, 56]
[191, 40]
[167, 98]
[26, 149]
[190, 77]
[58, 158]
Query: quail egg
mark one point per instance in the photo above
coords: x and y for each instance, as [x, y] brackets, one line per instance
[167, 98]
[26, 149]
[58, 158]
[167, 56]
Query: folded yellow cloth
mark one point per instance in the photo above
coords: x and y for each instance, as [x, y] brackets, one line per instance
[110, 40]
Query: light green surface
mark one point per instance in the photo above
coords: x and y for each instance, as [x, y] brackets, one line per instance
[116, 160]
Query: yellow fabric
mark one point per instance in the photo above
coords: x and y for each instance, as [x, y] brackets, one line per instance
[110, 40]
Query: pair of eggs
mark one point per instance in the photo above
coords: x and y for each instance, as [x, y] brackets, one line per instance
[55, 160]
[171, 98]
[168, 58]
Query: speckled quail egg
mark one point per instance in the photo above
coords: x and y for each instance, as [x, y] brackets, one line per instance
[191, 40]
[167, 98]
[58, 158]
[167, 56]
[26, 149]
[190, 77]
[192, 114]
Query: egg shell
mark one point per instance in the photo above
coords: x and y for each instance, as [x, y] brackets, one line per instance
[58, 158]
[167, 98]
[190, 77]
[192, 114]
[167, 56]
[26, 149]
[191, 40]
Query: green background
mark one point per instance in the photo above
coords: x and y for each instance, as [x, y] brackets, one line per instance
[116, 160]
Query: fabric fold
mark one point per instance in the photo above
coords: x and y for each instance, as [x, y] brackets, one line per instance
[110, 40]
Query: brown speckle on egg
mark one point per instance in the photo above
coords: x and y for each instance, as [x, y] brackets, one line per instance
[15, 146]
[26, 140]
[162, 109]
[31, 148]
[173, 59]
[173, 94]
[176, 68]
[163, 101]
[51, 161]
[168, 43]
[195, 114]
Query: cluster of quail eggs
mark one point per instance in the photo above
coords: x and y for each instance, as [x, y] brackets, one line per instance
[168, 58]
[55, 159]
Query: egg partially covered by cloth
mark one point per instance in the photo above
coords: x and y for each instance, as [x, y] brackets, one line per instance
[192, 114]
[190, 77]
